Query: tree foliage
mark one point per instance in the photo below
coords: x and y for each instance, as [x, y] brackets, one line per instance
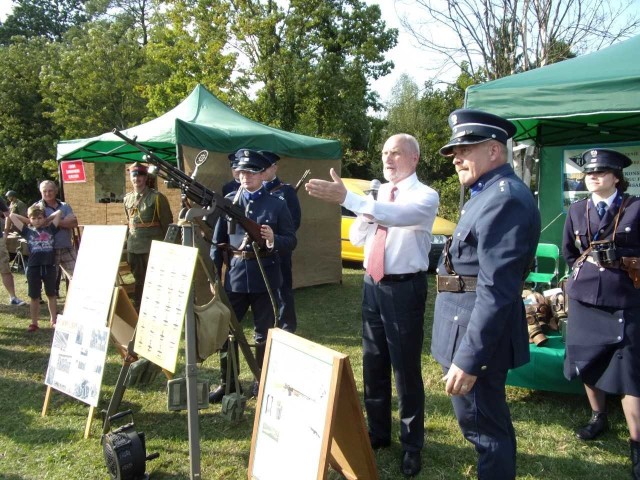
[42, 18]
[27, 135]
[314, 61]
[501, 38]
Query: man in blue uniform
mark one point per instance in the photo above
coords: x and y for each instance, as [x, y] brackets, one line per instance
[601, 244]
[479, 329]
[288, 320]
[243, 280]
[234, 184]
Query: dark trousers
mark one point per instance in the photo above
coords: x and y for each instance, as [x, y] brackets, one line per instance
[485, 420]
[288, 320]
[138, 263]
[392, 337]
[263, 320]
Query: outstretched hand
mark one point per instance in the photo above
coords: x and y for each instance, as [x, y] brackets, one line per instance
[329, 191]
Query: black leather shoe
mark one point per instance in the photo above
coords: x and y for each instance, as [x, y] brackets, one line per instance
[378, 443]
[411, 463]
[217, 394]
[255, 389]
[598, 424]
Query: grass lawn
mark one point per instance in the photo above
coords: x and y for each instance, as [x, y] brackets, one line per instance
[32, 447]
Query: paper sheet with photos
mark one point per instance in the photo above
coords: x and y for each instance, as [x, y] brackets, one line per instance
[77, 359]
[164, 303]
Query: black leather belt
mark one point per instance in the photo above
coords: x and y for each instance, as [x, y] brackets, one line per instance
[400, 277]
[248, 255]
[456, 283]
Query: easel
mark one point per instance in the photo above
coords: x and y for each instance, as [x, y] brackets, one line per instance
[89, 308]
[308, 415]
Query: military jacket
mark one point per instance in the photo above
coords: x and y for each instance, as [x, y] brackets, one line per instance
[276, 187]
[148, 217]
[593, 284]
[243, 274]
[495, 240]
[18, 207]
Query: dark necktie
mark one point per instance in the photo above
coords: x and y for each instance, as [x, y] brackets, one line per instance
[375, 265]
[602, 208]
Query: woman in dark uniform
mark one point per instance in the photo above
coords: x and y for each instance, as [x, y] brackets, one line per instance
[603, 335]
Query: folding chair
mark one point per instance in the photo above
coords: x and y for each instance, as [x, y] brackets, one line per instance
[19, 264]
[547, 263]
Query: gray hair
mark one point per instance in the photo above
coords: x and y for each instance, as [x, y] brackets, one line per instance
[46, 183]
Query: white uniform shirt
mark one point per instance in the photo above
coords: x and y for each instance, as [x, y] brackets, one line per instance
[409, 219]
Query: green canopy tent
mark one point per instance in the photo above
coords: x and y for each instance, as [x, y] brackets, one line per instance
[568, 107]
[202, 122]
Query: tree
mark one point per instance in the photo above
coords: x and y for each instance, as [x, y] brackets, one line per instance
[27, 136]
[187, 46]
[43, 18]
[313, 62]
[501, 38]
[92, 80]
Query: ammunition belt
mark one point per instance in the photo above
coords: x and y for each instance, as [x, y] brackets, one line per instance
[456, 283]
[248, 255]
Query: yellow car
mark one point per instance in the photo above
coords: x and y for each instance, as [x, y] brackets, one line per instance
[442, 229]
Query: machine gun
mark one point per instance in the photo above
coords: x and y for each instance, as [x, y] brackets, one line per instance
[195, 191]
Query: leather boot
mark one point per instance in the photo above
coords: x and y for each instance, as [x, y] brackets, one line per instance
[216, 395]
[635, 459]
[599, 423]
[260, 350]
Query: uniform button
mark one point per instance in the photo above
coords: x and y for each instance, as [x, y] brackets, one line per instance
[602, 269]
[620, 320]
[462, 212]
[455, 319]
[483, 367]
[458, 234]
[250, 211]
[619, 338]
[576, 232]
[620, 356]
[602, 230]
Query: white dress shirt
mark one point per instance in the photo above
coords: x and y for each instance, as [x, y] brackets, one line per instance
[409, 219]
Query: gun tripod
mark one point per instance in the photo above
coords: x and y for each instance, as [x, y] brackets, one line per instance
[187, 233]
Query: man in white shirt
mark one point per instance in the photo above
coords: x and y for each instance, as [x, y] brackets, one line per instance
[396, 232]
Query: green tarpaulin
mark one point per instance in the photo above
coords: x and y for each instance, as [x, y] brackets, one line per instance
[593, 98]
[204, 122]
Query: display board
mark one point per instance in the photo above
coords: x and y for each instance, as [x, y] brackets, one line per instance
[90, 292]
[80, 340]
[164, 303]
[308, 415]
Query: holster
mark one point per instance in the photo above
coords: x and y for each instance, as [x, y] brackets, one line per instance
[631, 265]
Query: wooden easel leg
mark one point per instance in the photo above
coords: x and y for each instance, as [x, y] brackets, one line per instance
[87, 428]
[47, 397]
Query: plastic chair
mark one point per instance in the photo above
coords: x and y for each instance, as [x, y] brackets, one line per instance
[546, 254]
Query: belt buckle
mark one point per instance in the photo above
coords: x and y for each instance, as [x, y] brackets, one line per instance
[461, 284]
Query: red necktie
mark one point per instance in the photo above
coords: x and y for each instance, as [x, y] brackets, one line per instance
[375, 265]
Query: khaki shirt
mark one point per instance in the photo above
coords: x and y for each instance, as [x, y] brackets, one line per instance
[19, 207]
[148, 217]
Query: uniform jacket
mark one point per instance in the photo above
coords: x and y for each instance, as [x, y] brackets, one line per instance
[495, 240]
[148, 216]
[286, 191]
[243, 275]
[608, 287]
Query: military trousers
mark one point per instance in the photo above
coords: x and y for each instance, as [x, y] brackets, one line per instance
[392, 338]
[485, 421]
[138, 263]
[288, 320]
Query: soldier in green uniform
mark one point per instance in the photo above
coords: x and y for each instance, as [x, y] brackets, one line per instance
[148, 217]
[15, 206]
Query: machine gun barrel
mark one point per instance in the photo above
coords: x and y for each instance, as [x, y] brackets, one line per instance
[195, 191]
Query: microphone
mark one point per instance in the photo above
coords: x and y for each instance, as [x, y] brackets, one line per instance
[374, 186]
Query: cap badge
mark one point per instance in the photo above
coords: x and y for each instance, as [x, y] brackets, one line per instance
[245, 153]
[594, 153]
[454, 119]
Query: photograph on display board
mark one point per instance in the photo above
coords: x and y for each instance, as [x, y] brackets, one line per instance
[77, 359]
